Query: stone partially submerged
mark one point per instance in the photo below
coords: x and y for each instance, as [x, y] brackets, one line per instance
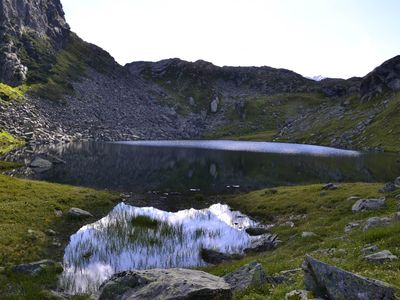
[263, 243]
[330, 282]
[165, 284]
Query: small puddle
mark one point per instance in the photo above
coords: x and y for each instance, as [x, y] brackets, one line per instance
[144, 238]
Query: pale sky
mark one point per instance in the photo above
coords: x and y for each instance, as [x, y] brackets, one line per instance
[332, 38]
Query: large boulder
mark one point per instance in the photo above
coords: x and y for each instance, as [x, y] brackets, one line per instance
[165, 284]
[246, 276]
[388, 187]
[368, 204]
[329, 282]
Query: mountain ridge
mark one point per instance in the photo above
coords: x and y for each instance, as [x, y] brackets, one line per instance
[76, 90]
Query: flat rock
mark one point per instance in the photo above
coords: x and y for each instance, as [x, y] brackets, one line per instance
[369, 249]
[263, 243]
[377, 221]
[329, 187]
[381, 257]
[308, 234]
[368, 204]
[78, 213]
[330, 282]
[35, 267]
[164, 284]
[246, 276]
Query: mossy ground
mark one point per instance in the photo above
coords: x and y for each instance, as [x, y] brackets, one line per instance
[8, 93]
[8, 142]
[327, 214]
[28, 205]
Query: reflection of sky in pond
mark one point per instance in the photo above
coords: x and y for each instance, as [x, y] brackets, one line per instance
[264, 147]
[123, 241]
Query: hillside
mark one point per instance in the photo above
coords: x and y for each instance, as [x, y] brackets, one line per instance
[65, 89]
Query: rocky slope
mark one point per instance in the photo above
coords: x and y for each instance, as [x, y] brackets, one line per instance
[75, 90]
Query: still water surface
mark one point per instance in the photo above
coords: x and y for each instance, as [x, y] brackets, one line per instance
[212, 166]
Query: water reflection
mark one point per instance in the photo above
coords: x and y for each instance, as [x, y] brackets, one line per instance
[143, 238]
[141, 167]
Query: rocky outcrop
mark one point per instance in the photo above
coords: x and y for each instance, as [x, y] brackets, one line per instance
[384, 78]
[164, 284]
[23, 26]
[333, 283]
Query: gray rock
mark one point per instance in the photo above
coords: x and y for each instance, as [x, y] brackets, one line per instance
[165, 284]
[308, 234]
[214, 105]
[369, 250]
[246, 276]
[396, 217]
[349, 227]
[78, 213]
[298, 295]
[329, 282]
[40, 163]
[368, 204]
[263, 242]
[35, 267]
[214, 257]
[381, 257]
[388, 188]
[376, 221]
[330, 186]
[397, 182]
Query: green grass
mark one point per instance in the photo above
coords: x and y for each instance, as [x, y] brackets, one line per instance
[8, 142]
[28, 205]
[261, 117]
[327, 214]
[8, 93]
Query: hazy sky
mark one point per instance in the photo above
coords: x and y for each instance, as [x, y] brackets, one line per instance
[335, 38]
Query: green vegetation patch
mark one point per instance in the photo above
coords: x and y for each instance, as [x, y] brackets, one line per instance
[8, 93]
[27, 210]
[327, 213]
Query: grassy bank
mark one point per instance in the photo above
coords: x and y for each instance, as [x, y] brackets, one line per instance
[27, 212]
[327, 212]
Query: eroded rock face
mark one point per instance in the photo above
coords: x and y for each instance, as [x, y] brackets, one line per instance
[166, 284]
[383, 78]
[333, 283]
[21, 20]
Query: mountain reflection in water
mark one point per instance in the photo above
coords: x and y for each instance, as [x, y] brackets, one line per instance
[144, 238]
